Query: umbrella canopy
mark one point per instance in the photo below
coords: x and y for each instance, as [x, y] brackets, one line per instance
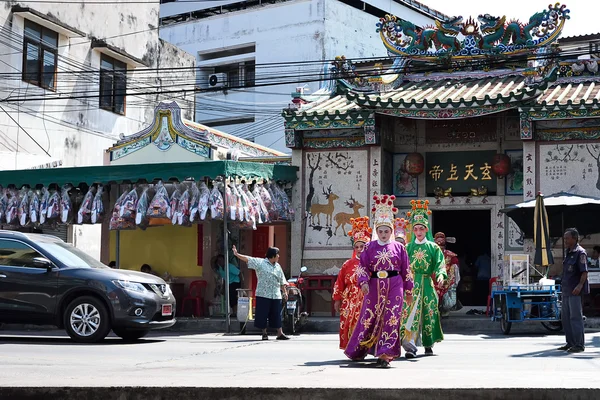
[543, 253]
[564, 210]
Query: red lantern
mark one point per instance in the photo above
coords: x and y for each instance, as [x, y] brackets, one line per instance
[414, 164]
[501, 165]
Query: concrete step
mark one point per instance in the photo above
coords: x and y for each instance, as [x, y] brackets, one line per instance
[250, 393]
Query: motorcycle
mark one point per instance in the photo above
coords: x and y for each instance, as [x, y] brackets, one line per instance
[294, 316]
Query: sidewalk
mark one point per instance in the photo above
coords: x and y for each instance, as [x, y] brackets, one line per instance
[458, 322]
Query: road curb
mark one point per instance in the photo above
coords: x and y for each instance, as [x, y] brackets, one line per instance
[229, 393]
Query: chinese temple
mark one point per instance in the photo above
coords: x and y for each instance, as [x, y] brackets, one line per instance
[473, 114]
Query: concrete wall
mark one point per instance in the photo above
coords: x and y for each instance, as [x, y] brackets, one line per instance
[292, 31]
[77, 131]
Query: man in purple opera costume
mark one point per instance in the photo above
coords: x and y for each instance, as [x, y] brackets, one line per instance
[383, 276]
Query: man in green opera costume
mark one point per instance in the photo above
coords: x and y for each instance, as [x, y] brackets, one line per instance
[421, 319]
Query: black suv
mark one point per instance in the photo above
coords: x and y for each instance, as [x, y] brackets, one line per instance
[45, 281]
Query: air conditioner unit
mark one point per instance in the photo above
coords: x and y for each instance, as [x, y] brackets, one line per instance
[217, 80]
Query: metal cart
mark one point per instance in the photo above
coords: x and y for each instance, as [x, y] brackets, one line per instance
[533, 302]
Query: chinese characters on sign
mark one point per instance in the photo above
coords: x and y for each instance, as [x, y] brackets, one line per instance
[460, 171]
[556, 171]
[528, 167]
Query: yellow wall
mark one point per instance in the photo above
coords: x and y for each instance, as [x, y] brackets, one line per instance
[171, 249]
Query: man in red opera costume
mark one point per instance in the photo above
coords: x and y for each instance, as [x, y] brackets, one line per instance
[346, 293]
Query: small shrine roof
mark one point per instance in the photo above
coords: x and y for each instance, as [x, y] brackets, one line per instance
[336, 108]
[333, 106]
[454, 93]
[169, 127]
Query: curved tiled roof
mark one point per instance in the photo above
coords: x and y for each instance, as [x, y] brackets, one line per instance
[453, 93]
[567, 93]
[334, 106]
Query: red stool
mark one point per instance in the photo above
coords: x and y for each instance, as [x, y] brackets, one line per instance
[196, 295]
[489, 298]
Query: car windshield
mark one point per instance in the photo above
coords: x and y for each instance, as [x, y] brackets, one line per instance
[70, 256]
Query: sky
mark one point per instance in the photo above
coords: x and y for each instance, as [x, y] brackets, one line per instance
[584, 13]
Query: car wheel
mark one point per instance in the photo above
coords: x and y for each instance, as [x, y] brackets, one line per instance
[130, 335]
[86, 320]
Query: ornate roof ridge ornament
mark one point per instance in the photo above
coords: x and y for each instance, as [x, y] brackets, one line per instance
[492, 36]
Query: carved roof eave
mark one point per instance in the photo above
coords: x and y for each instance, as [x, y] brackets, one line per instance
[570, 110]
[326, 115]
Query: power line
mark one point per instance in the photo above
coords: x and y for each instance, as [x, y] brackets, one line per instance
[319, 78]
[23, 129]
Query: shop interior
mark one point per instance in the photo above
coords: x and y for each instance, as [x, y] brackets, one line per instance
[472, 230]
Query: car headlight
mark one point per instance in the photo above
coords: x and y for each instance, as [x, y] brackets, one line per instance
[131, 286]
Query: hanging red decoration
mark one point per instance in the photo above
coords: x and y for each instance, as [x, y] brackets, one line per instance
[501, 165]
[414, 164]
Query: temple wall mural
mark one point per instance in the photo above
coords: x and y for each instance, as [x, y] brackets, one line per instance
[335, 189]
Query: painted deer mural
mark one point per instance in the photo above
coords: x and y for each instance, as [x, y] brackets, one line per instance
[342, 219]
[316, 209]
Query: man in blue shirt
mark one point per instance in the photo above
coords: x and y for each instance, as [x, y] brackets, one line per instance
[574, 286]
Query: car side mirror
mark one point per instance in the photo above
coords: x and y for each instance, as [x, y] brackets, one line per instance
[41, 262]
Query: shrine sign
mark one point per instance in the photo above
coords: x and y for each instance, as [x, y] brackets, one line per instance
[460, 173]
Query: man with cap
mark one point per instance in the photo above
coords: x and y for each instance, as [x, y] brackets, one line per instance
[421, 319]
[383, 276]
[447, 290]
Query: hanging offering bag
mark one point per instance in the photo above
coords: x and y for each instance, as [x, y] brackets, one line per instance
[3, 204]
[195, 199]
[66, 205]
[53, 213]
[34, 207]
[158, 209]
[84, 215]
[23, 209]
[141, 209]
[182, 214]
[116, 221]
[43, 210]
[215, 202]
[203, 201]
[98, 206]
[128, 205]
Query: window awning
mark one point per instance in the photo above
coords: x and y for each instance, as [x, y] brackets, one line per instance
[147, 173]
[117, 53]
[47, 21]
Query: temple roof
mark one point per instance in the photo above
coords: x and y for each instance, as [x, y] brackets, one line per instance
[571, 94]
[453, 93]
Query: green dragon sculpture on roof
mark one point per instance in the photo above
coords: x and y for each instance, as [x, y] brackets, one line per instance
[494, 37]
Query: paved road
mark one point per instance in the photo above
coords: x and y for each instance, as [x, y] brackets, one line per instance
[50, 359]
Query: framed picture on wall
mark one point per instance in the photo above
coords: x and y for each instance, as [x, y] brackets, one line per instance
[404, 185]
[514, 180]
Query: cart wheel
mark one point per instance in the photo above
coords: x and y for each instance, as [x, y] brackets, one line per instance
[505, 325]
[553, 326]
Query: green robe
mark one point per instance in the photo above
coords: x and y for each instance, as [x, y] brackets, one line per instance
[426, 261]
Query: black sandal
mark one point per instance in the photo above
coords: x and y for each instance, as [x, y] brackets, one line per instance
[265, 336]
